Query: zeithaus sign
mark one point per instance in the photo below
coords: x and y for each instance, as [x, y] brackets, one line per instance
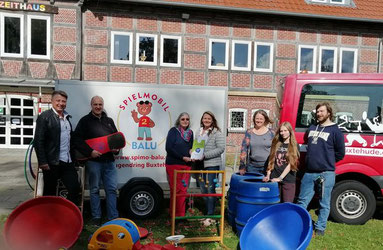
[37, 7]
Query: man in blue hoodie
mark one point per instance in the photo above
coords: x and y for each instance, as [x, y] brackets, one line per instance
[325, 147]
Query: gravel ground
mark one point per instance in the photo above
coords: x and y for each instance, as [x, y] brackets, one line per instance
[13, 186]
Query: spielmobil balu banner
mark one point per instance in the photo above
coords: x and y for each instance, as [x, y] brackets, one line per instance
[145, 113]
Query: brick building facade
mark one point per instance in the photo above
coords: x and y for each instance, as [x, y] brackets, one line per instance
[80, 45]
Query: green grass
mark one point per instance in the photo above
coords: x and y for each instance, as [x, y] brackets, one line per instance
[3, 218]
[337, 236]
[350, 237]
[160, 228]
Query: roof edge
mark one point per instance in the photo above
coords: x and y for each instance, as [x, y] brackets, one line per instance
[26, 83]
[258, 11]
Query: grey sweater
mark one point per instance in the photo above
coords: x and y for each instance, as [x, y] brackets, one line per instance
[214, 147]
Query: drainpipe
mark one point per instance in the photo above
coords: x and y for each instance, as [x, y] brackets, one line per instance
[380, 55]
[80, 4]
[39, 101]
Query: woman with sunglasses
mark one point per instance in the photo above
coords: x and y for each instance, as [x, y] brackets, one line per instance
[214, 148]
[178, 145]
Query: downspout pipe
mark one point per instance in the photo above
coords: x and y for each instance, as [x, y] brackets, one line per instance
[380, 55]
[81, 37]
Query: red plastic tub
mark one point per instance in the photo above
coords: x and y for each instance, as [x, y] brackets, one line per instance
[43, 223]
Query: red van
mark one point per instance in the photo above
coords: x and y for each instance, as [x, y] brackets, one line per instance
[357, 101]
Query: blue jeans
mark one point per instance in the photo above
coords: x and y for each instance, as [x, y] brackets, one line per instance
[255, 169]
[307, 192]
[106, 172]
[209, 188]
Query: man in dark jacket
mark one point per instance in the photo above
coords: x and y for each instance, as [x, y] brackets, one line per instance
[325, 147]
[100, 167]
[53, 148]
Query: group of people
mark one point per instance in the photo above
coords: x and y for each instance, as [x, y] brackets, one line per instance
[54, 143]
[277, 156]
[179, 143]
[274, 155]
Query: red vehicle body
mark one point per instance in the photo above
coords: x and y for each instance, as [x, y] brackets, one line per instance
[357, 101]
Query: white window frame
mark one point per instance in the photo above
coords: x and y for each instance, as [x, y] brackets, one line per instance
[2, 22]
[48, 42]
[244, 120]
[314, 57]
[335, 58]
[112, 60]
[233, 67]
[343, 2]
[138, 62]
[319, 1]
[8, 122]
[270, 69]
[226, 42]
[162, 63]
[355, 58]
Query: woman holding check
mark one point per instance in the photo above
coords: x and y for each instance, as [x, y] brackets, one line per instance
[211, 159]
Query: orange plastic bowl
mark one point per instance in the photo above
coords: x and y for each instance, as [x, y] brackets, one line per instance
[43, 223]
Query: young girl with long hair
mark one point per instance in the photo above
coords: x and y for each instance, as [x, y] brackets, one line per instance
[283, 161]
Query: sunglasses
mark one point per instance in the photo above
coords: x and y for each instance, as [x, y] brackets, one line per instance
[185, 119]
[142, 102]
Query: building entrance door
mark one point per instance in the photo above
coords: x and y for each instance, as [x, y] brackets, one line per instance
[18, 115]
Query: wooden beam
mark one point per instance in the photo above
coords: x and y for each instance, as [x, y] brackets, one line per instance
[252, 93]
[201, 239]
[220, 217]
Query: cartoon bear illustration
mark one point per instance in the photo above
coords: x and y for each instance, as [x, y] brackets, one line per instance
[144, 122]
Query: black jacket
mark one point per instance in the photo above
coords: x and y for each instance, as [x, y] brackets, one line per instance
[90, 127]
[47, 138]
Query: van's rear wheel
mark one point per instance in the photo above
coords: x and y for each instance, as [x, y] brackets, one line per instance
[352, 202]
[140, 202]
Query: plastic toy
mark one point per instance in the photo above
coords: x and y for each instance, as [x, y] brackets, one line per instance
[118, 234]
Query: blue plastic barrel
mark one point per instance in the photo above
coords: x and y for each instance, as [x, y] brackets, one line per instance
[232, 193]
[253, 196]
[282, 226]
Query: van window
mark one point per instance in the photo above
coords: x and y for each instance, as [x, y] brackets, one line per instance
[356, 108]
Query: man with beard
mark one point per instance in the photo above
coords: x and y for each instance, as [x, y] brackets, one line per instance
[325, 147]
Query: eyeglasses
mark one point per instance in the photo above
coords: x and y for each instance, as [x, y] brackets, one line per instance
[184, 119]
[142, 102]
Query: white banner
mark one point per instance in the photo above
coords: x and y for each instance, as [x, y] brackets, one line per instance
[132, 106]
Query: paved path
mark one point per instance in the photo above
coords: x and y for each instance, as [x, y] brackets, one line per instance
[13, 186]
